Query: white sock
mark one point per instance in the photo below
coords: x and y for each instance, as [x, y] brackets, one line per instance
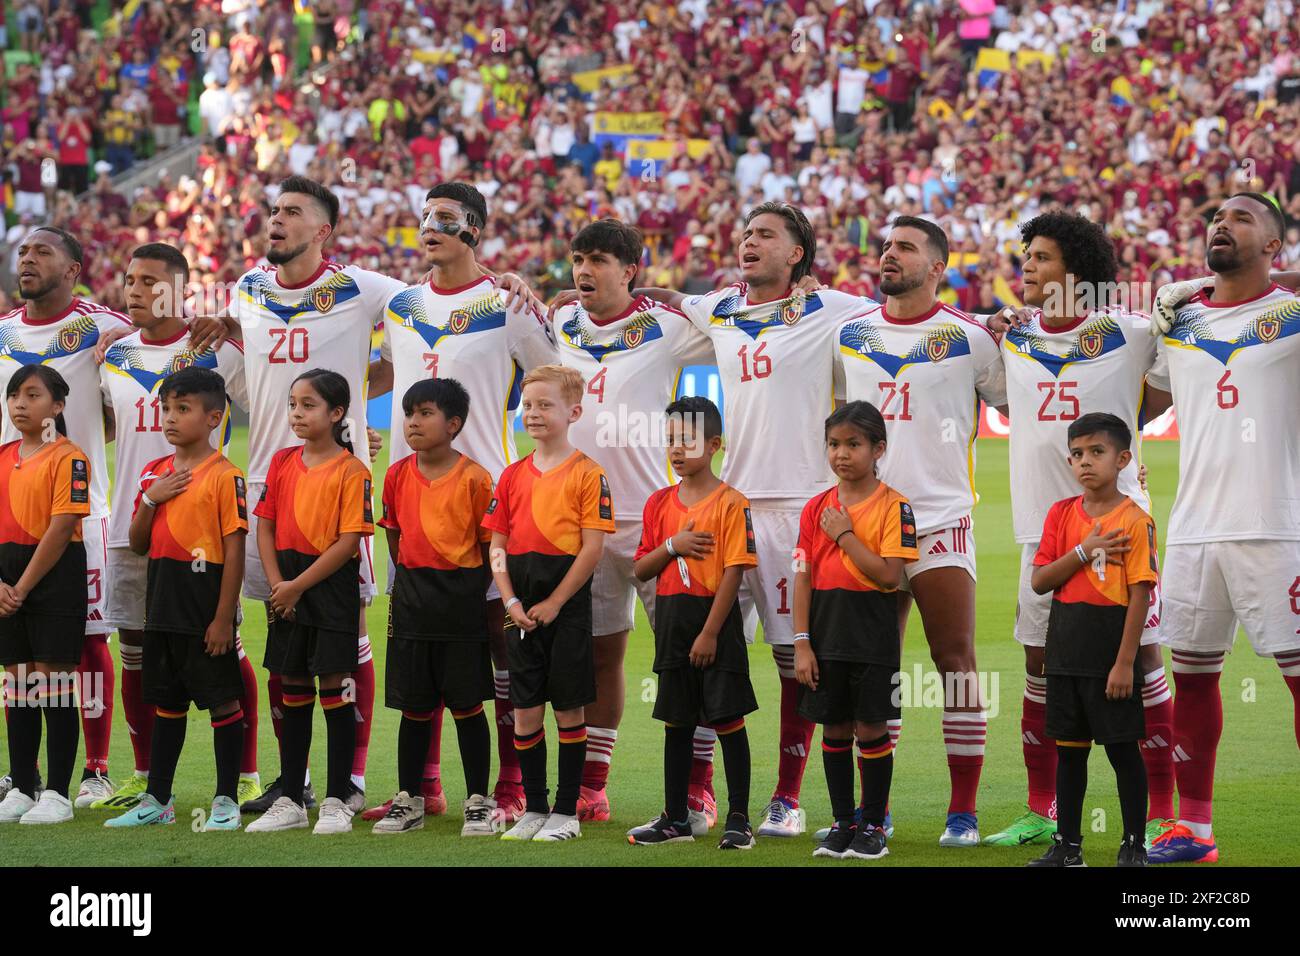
[359, 781]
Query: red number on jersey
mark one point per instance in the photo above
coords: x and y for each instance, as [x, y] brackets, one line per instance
[295, 341]
[1295, 597]
[597, 385]
[431, 364]
[782, 588]
[1061, 392]
[762, 366]
[1227, 394]
[905, 393]
[157, 416]
[93, 591]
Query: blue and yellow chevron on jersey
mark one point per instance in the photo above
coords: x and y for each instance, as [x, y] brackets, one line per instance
[1094, 339]
[861, 340]
[479, 314]
[1190, 331]
[643, 327]
[258, 289]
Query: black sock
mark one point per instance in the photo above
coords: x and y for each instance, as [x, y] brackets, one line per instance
[679, 751]
[341, 741]
[295, 738]
[24, 743]
[228, 746]
[532, 769]
[573, 757]
[413, 736]
[475, 741]
[1071, 786]
[837, 761]
[165, 752]
[62, 735]
[876, 770]
[1131, 775]
[736, 763]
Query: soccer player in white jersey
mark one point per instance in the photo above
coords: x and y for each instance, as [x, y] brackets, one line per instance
[630, 351]
[1232, 554]
[134, 366]
[1076, 354]
[303, 312]
[457, 324]
[773, 341]
[926, 366]
[53, 327]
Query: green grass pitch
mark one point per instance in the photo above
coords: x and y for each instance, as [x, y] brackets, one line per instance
[1257, 762]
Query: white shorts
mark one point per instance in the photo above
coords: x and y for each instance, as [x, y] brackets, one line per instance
[1212, 587]
[129, 573]
[767, 591]
[945, 548]
[94, 534]
[256, 587]
[1032, 610]
[614, 588]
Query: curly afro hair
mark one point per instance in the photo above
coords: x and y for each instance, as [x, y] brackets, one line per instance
[1088, 252]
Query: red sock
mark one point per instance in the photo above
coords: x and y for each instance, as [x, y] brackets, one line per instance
[600, 750]
[1157, 749]
[98, 681]
[963, 737]
[365, 686]
[248, 702]
[433, 759]
[1198, 724]
[1289, 661]
[1040, 749]
[139, 715]
[702, 758]
[507, 756]
[796, 741]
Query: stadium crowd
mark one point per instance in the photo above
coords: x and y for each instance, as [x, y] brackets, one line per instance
[1144, 115]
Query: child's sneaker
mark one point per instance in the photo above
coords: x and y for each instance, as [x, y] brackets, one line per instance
[14, 805]
[249, 789]
[334, 817]
[478, 814]
[593, 805]
[1132, 852]
[661, 831]
[93, 789]
[868, 844]
[781, 818]
[224, 816]
[283, 814]
[837, 841]
[1060, 854]
[405, 813]
[738, 834]
[1179, 844]
[558, 826]
[50, 808]
[527, 826]
[146, 812]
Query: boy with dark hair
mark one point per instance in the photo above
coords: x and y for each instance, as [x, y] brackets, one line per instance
[191, 518]
[1097, 555]
[697, 539]
[434, 500]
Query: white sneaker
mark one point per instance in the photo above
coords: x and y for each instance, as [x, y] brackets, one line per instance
[98, 787]
[334, 817]
[527, 827]
[51, 808]
[479, 812]
[405, 813]
[284, 814]
[558, 826]
[14, 805]
[781, 821]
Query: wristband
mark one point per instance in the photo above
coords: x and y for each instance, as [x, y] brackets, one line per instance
[1081, 554]
[802, 636]
[668, 546]
[145, 499]
[842, 534]
[511, 603]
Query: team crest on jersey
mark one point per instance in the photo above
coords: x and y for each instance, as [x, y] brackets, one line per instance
[633, 337]
[458, 322]
[1090, 344]
[322, 300]
[1267, 329]
[936, 349]
[69, 338]
[792, 310]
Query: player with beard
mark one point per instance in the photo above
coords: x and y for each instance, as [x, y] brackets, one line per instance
[56, 328]
[926, 366]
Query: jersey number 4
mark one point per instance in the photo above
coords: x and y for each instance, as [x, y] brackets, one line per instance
[292, 343]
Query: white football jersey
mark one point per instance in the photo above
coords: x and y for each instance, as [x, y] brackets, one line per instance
[324, 323]
[631, 365]
[129, 378]
[776, 363]
[66, 343]
[1096, 364]
[468, 335]
[1234, 371]
[927, 376]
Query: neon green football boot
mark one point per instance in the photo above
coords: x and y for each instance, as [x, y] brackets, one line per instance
[1027, 829]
